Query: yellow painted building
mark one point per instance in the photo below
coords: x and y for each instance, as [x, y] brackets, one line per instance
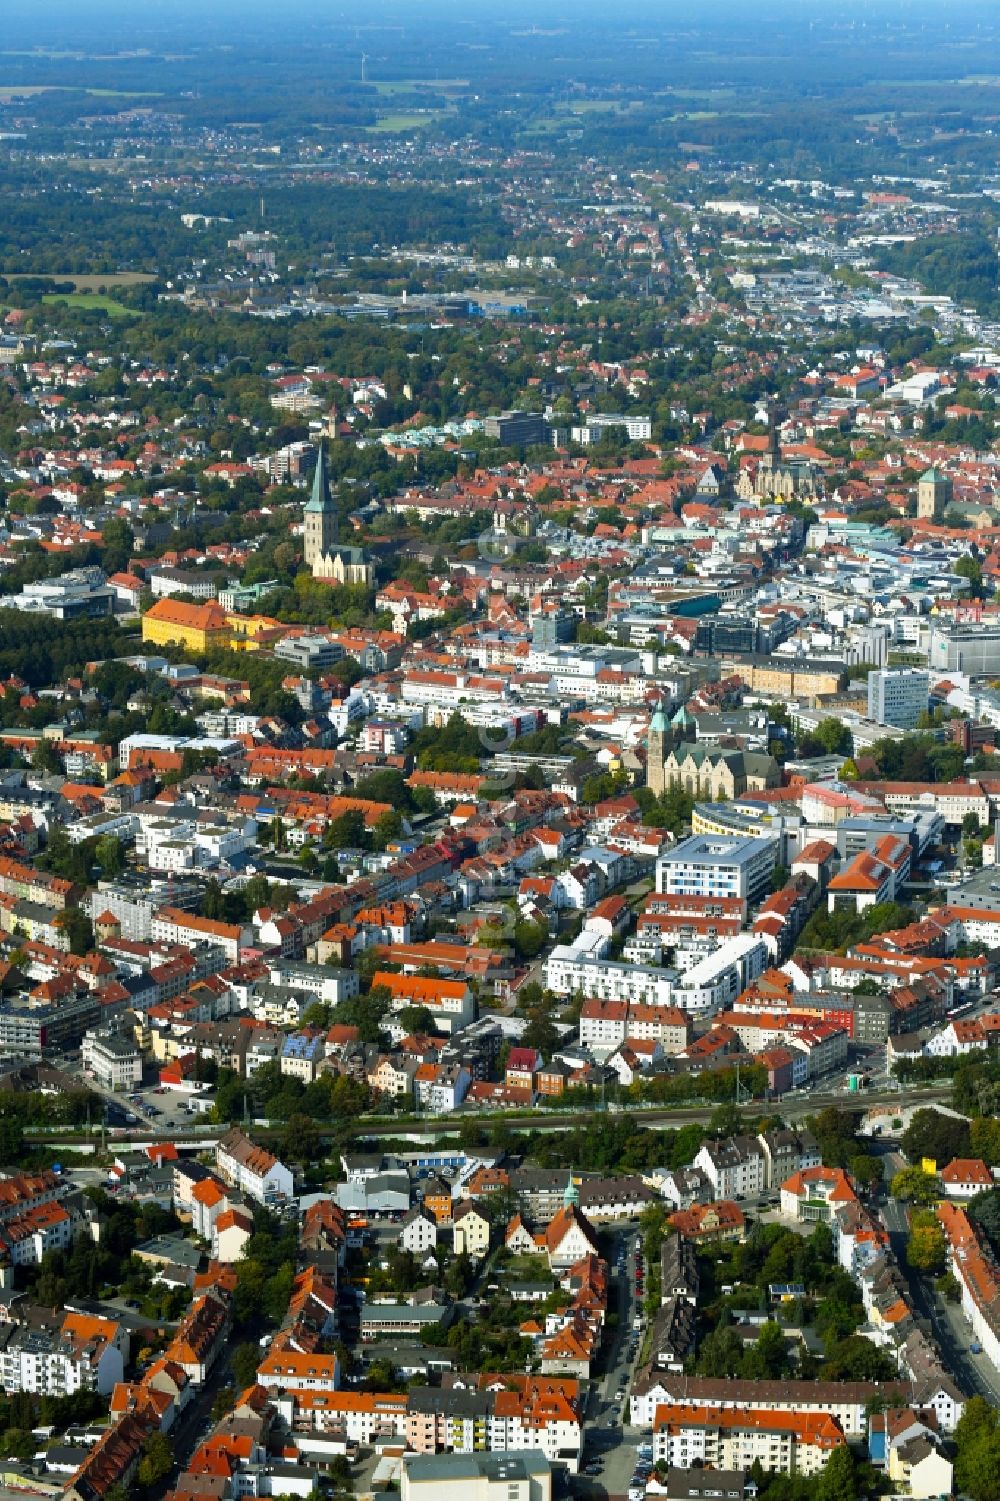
[198, 628]
[251, 632]
[791, 679]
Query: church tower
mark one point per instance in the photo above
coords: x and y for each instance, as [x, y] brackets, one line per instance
[319, 517]
[656, 751]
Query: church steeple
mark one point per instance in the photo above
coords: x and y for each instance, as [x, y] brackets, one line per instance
[320, 501]
[656, 749]
[319, 515]
[571, 1194]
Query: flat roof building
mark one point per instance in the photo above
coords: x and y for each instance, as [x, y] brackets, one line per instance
[712, 865]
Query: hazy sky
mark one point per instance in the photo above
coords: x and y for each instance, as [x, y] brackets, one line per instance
[43, 15]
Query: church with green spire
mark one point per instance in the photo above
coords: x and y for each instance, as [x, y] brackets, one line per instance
[658, 743]
[321, 536]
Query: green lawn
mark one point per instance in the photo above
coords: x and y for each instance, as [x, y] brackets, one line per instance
[9, 91]
[109, 305]
[401, 120]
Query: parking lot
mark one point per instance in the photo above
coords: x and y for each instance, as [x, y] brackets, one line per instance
[147, 1103]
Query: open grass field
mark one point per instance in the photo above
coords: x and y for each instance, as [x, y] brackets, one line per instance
[93, 300]
[9, 92]
[392, 122]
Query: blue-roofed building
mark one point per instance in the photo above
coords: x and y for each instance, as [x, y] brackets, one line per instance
[302, 1053]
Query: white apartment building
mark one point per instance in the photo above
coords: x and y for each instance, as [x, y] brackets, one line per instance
[450, 689]
[511, 1475]
[113, 1058]
[299, 1372]
[638, 429]
[898, 696]
[603, 1025]
[715, 981]
[783, 1443]
[84, 1354]
[667, 1025]
[735, 1166]
[568, 972]
[253, 1169]
[713, 865]
[40, 1229]
[557, 1438]
[419, 1233]
[171, 844]
[845, 1401]
[450, 1002]
[171, 925]
[360, 1416]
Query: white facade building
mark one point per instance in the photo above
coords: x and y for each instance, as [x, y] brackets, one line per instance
[898, 696]
[113, 1058]
[713, 865]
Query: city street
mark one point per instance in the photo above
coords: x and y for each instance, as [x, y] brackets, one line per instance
[950, 1328]
[608, 1437]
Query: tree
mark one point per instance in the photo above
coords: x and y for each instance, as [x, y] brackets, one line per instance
[388, 826]
[721, 1353]
[346, 831]
[866, 1170]
[925, 1249]
[725, 1120]
[223, 1402]
[301, 1139]
[977, 1451]
[157, 1460]
[244, 1361]
[11, 1140]
[78, 928]
[856, 1359]
[939, 1137]
[767, 1357]
[347, 671]
[366, 1012]
[970, 568]
[44, 758]
[110, 856]
[838, 1479]
[382, 1376]
[541, 1033]
[831, 737]
[913, 1186]
[417, 1019]
[529, 939]
[119, 544]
